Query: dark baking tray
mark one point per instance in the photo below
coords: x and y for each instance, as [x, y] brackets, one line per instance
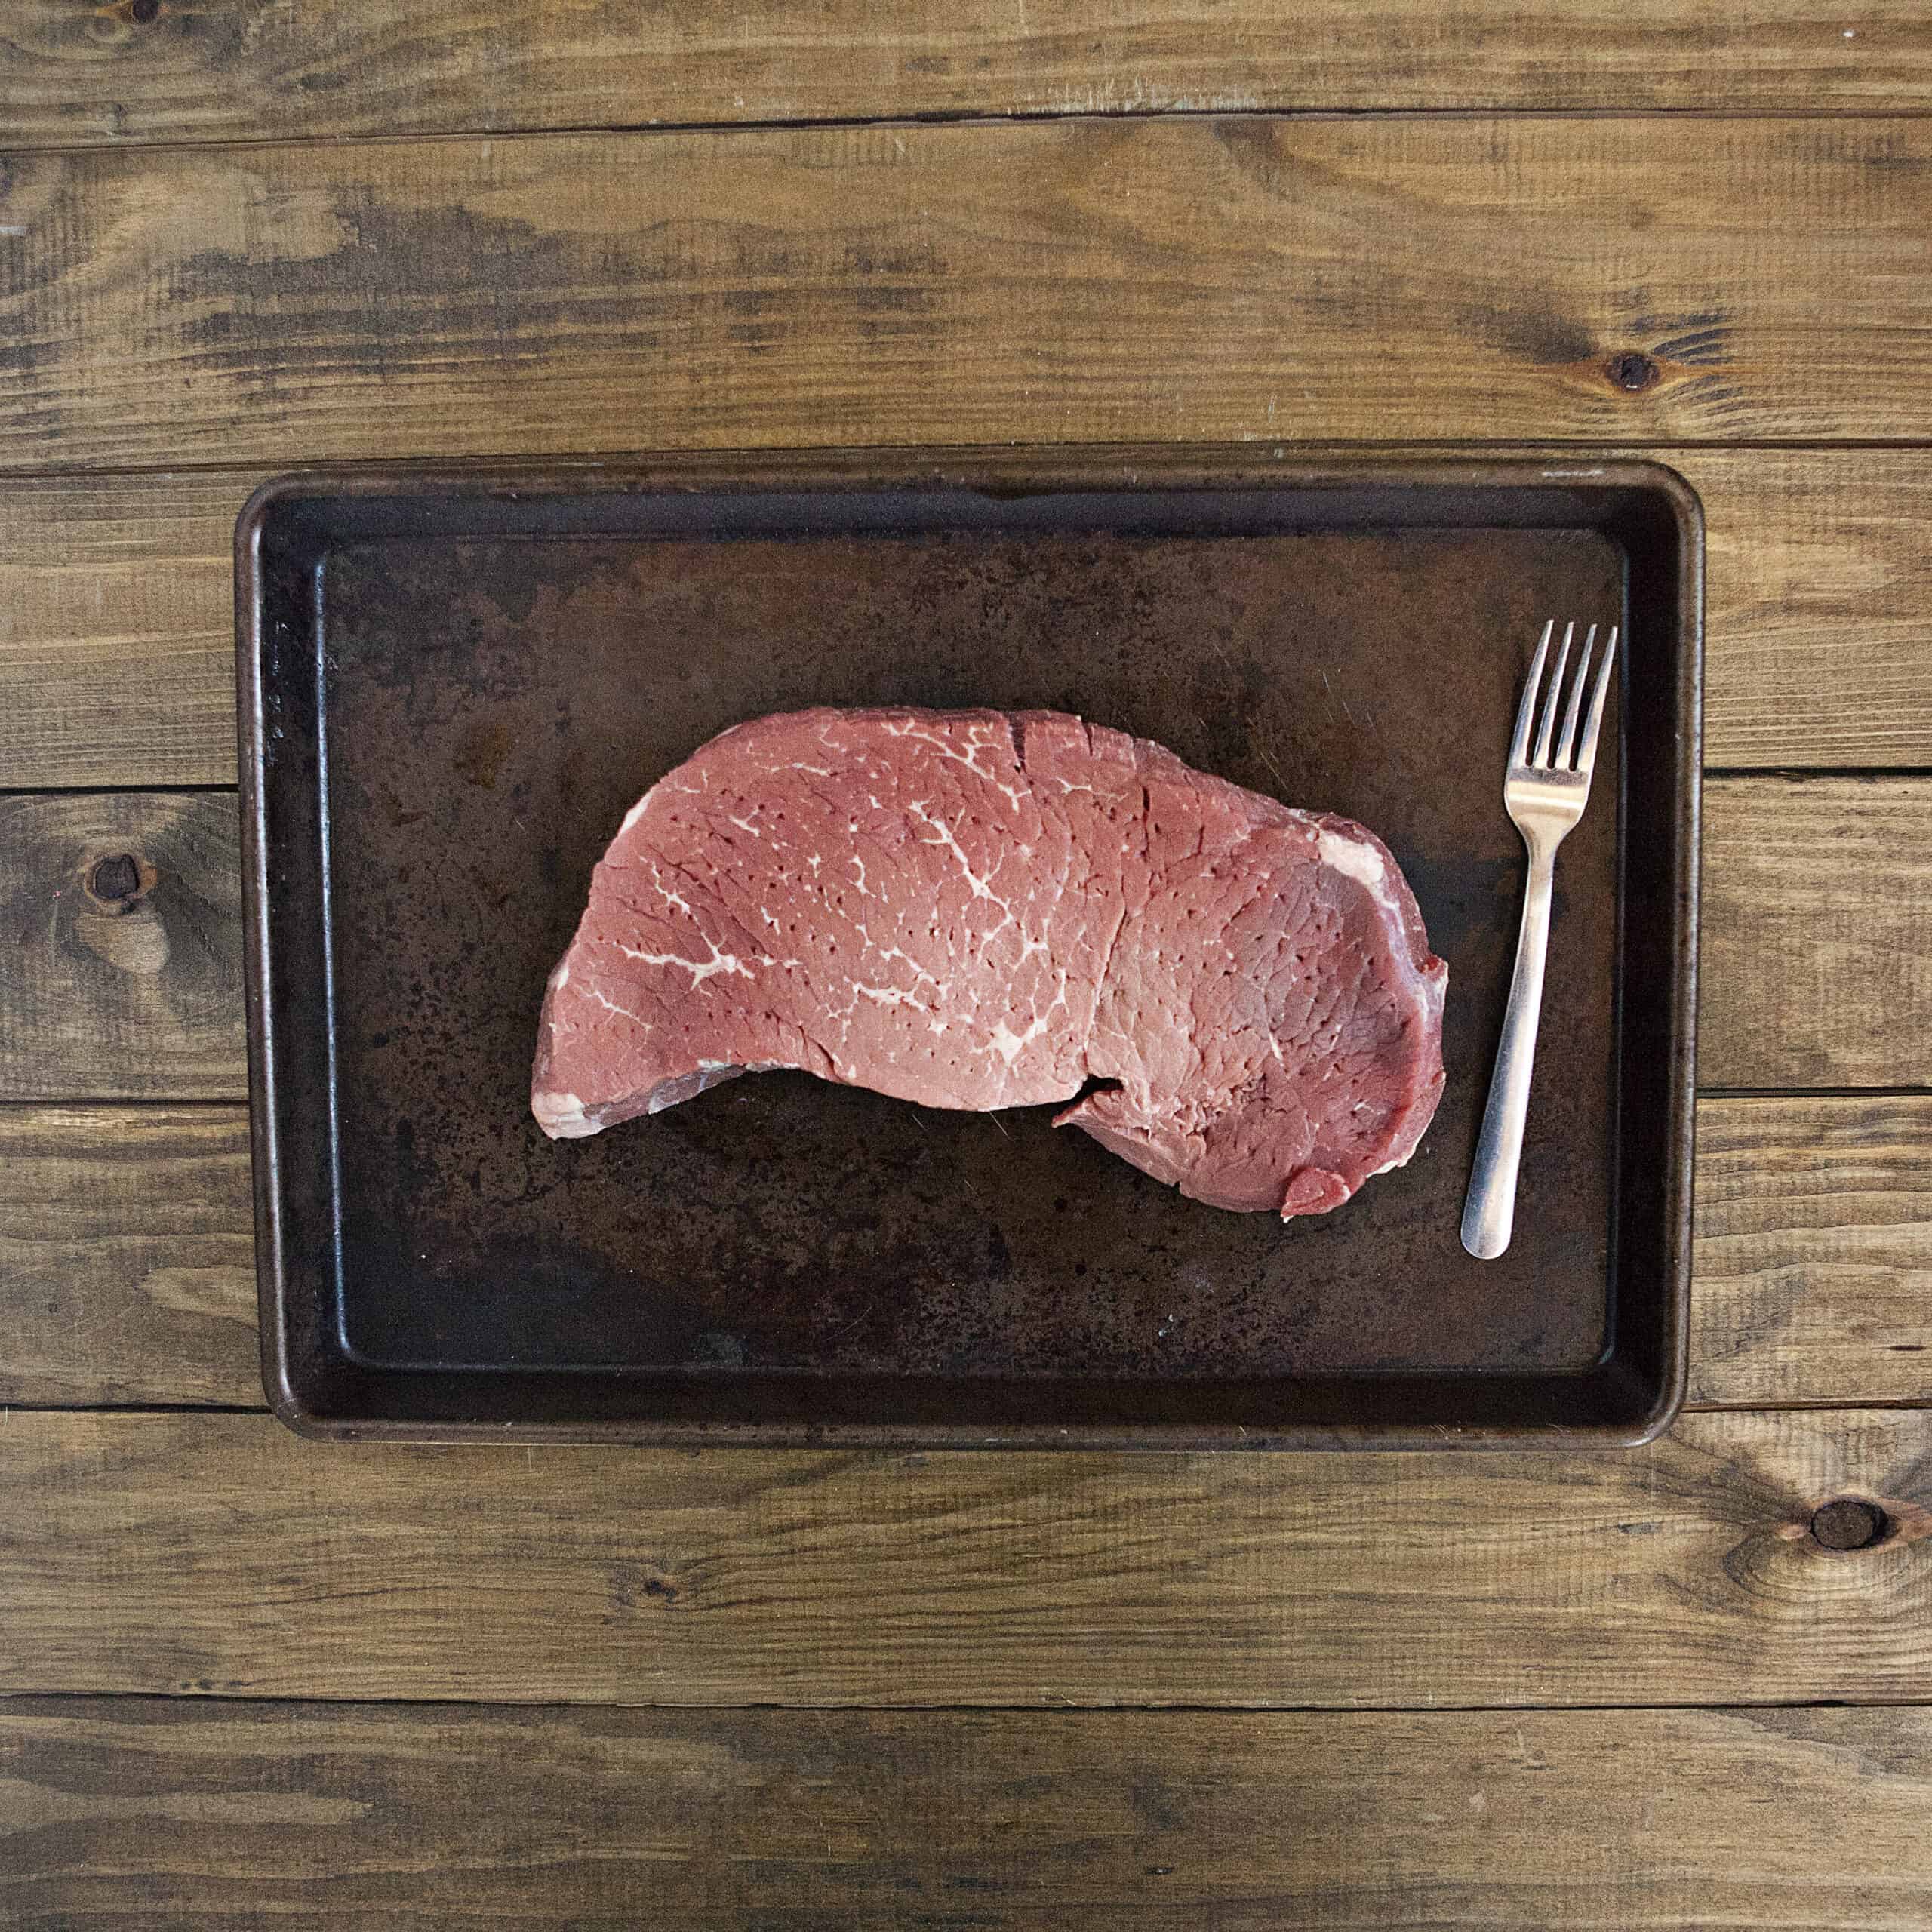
[454, 685]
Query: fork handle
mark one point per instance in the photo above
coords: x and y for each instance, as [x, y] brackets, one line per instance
[1489, 1210]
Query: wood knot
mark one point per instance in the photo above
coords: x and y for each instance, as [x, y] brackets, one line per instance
[1632, 371]
[1850, 1524]
[116, 883]
[143, 13]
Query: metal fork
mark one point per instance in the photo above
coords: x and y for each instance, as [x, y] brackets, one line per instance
[1544, 792]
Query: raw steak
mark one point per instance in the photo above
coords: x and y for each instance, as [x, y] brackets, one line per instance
[983, 909]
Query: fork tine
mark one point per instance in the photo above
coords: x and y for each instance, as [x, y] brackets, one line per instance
[1550, 698]
[1526, 712]
[1587, 751]
[1566, 743]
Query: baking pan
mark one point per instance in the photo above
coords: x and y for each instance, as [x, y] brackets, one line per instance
[452, 687]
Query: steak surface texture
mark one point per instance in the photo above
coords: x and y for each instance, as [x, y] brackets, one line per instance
[984, 908]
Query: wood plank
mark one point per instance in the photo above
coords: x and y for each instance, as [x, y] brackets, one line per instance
[1817, 931]
[1049, 281]
[1814, 1271]
[116, 648]
[117, 630]
[1815, 970]
[127, 1257]
[1247, 1821]
[1818, 622]
[219, 1553]
[69, 75]
[136, 997]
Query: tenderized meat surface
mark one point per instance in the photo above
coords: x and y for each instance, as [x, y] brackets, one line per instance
[984, 908]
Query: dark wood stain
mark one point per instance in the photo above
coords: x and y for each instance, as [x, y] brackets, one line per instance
[735, 1821]
[164, 70]
[1192, 278]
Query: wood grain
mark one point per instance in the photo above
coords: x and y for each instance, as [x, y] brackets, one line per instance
[116, 646]
[141, 999]
[316, 1814]
[127, 1257]
[1817, 934]
[909, 285]
[1817, 959]
[117, 630]
[1818, 632]
[219, 69]
[1814, 1270]
[1157, 279]
[219, 1553]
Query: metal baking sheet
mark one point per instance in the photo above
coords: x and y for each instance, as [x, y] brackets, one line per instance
[452, 685]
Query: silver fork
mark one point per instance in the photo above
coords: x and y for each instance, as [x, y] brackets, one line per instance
[1544, 792]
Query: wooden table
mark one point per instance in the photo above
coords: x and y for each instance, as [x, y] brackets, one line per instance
[248, 1675]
